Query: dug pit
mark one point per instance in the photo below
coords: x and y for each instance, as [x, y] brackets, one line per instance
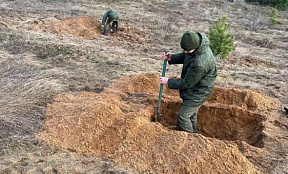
[116, 124]
[229, 114]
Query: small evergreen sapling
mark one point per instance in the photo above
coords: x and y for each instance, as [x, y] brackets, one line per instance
[273, 16]
[221, 42]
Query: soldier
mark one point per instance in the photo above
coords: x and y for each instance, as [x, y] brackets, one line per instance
[197, 80]
[110, 16]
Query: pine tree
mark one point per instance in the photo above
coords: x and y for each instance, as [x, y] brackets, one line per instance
[221, 42]
[273, 16]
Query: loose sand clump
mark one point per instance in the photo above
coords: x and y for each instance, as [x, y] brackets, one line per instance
[116, 124]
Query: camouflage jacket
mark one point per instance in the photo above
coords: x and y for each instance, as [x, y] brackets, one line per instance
[109, 16]
[198, 75]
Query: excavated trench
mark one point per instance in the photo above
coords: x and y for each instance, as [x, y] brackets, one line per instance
[116, 124]
[226, 116]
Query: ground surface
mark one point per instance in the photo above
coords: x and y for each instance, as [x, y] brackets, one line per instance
[57, 71]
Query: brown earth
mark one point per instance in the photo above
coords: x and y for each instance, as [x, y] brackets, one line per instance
[117, 124]
[90, 99]
[85, 27]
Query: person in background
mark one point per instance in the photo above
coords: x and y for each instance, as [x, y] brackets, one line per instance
[111, 16]
[197, 80]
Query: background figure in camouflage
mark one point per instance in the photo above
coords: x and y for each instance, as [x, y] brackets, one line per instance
[197, 80]
[110, 16]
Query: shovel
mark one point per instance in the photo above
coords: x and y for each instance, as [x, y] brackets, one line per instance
[158, 116]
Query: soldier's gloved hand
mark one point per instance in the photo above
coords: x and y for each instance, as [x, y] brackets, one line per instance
[166, 56]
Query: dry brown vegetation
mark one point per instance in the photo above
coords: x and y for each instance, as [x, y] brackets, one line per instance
[57, 77]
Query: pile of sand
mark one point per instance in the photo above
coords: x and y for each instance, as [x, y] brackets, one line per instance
[116, 124]
[83, 26]
[87, 27]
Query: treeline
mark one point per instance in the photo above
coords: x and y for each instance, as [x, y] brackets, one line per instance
[279, 4]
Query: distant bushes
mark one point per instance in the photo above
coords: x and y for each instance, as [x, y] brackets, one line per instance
[279, 4]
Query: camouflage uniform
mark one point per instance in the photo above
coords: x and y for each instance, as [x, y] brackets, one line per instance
[197, 81]
[110, 16]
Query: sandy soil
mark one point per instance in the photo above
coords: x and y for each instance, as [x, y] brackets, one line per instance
[74, 101]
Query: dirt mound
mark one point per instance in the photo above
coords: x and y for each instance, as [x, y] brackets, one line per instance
[116, 124]
[248, 100]
[141, 84]
[84, 26]
[88, 27]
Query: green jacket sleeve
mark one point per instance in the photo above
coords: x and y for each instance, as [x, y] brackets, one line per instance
[105, 18]
[193, 75]
[177, 58]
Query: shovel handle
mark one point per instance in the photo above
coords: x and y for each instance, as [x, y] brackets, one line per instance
[164, 64]
[161, 87]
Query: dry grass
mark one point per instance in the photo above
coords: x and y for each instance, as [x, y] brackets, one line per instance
[30, 79]
[25, 89]
[36, 65]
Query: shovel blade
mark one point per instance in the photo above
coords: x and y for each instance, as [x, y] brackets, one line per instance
[157, 118]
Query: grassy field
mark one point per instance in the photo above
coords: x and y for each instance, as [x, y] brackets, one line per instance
[55, 47]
